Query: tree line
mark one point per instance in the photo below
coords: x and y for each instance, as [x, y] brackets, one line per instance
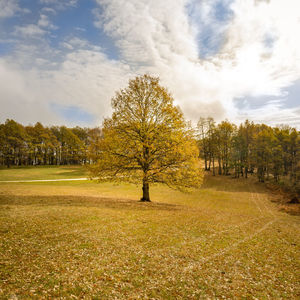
[40, 145]
[272, 153]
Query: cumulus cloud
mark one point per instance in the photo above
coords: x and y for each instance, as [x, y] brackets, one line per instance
[154, 38]
[86, 79]
[21, 96]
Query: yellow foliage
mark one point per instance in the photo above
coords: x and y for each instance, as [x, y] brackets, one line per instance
[147, 139]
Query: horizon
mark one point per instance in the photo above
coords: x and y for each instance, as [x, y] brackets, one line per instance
[61, 62]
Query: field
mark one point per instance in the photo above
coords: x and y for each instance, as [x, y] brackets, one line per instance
[82, 239]
[42, 172]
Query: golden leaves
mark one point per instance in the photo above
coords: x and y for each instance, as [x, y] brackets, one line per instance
[148, 139]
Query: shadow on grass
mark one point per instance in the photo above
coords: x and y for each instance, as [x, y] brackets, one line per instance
[72, 173]
[229, 184]
[84, 201]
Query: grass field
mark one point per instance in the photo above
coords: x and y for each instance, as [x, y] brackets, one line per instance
[88, 240]
[42, 172]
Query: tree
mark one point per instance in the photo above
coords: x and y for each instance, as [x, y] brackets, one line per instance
[13, 142]
[147, 140]
[71, 146]
[93, 142]
[206, 129]
[225, 132]
[263, 151]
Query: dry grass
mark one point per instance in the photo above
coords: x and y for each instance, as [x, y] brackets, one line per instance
[88, 240]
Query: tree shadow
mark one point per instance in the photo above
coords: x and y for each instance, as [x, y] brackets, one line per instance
[75, 172]
[230, 184]
[86, 201]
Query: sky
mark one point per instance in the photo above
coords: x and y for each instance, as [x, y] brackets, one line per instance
[61, 61]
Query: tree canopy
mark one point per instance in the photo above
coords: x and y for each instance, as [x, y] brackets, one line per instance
[147, 140]
[272, 152]
[39, 145]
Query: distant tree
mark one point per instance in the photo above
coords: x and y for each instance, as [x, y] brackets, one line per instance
[38, 139]
[83, 135]
[2, 144]
[294, 151]
[71, 146]
[225, 132]
[243, 144]
[147, 140]
[13, 137]
[94, 143]
[206, 139]
[262, 154]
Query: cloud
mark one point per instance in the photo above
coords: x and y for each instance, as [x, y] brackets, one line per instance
[31, 30]
[37, 30]
[272, 113]
[48, 10]
[8, 8]
[76, 43]
[43, 21]
[22, 100]
[86, 80]
[60, 4]
[210, 54]
[156, 39]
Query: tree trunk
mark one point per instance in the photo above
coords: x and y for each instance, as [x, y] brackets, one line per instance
[146, 196]
[220, 168]
[7, 162]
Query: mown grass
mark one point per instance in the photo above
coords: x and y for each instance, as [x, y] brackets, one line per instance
[42, 172]
[89, 240]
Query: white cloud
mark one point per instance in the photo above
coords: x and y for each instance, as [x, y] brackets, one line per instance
[8, 8]
[75, 43]
[21, 96]
[29, 30]
[272, 113]
[43, 21]
[158, 37]
[60, 4]
[48, 10]
[86, 79]
[161, 38]
[37, 30]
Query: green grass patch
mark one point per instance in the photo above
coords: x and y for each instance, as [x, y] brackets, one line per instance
[42, 172]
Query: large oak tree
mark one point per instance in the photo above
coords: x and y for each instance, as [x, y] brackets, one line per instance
[147, 140]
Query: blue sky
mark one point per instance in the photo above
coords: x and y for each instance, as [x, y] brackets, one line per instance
[221, 58]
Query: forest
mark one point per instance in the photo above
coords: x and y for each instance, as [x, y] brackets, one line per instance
[271, 153]
[40, 145]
